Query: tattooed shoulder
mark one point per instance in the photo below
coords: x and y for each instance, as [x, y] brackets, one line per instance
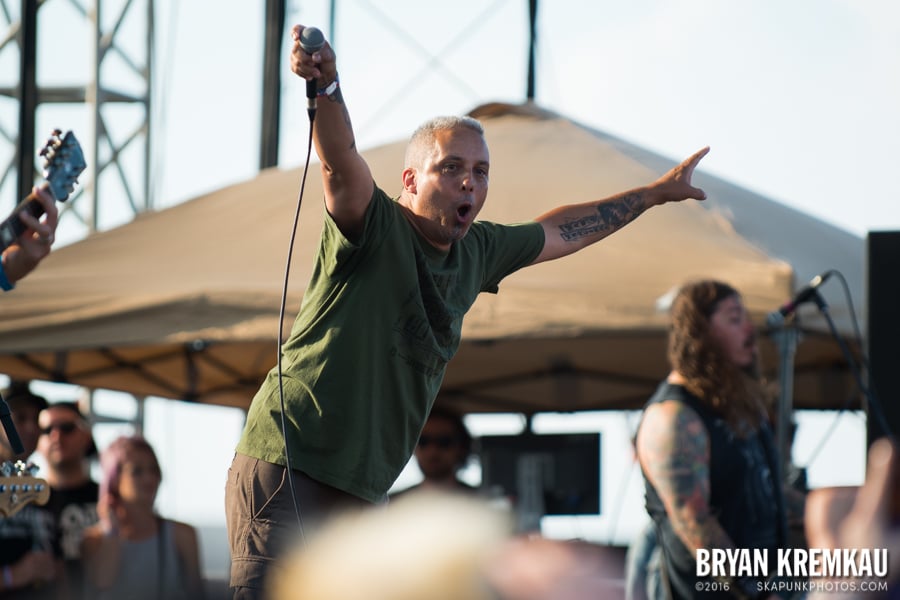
[673, 448]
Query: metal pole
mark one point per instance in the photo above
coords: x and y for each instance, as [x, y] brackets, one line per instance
[532, 42]
[786, 338]
[28, 96]
[271, 92]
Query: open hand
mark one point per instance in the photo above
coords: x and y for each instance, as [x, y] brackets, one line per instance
[675, 185]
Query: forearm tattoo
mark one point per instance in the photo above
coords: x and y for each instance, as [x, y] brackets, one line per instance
[338, 97]
[679, 469]
[608, 217]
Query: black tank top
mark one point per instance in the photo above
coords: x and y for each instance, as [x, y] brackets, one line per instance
[745, 496]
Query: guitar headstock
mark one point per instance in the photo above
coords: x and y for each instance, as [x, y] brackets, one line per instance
[18, 488]
[63, 163]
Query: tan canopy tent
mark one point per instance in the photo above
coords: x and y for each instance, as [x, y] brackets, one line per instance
[184, 303]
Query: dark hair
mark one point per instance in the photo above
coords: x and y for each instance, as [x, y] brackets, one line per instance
[462, 433]
[734, 392]
[19, 394]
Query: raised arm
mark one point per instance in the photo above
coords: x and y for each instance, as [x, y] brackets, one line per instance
[101, 553]
[568, 229]
[345, 175]
[34, 243]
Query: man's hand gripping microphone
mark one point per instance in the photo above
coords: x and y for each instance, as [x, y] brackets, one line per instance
[311, 41]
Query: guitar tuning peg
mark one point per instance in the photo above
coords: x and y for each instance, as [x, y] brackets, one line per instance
[56, 132]
[6, 468]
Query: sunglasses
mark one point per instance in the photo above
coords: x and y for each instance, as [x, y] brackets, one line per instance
[441, 441]
[65, 427]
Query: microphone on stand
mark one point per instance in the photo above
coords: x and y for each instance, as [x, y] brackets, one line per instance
[808, 293]
[311, 40]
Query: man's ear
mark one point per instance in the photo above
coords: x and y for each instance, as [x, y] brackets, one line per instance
[409, 180]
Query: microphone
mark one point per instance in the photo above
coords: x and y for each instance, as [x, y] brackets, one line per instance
[807, 293]
[311, 40]
[10, 428]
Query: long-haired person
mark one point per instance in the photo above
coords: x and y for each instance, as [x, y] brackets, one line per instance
[132, 552]
[706, 450]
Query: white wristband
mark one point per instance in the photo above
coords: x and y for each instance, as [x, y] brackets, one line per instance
[329, 89]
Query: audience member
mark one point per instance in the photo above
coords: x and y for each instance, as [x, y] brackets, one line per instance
[67, 446]
[132, 552]
[439, 546]
[860, 517]
[442, 450]
[26, 555]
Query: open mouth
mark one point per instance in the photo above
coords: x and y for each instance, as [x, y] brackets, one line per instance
[464, 210]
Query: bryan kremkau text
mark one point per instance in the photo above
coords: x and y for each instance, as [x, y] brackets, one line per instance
[792, 562]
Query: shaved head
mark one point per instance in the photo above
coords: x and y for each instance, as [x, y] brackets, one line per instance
[423, 138]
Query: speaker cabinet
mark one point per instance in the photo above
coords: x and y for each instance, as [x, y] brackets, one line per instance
[883, 327]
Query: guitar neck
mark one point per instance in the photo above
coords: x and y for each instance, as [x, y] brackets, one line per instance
[13, 227]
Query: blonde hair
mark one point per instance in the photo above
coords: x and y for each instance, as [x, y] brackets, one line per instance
[423, 138]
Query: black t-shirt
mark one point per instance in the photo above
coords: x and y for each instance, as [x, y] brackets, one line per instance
[72, 511]
[29, 529]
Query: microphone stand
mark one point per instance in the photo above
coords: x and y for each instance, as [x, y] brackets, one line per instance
[786, 338]
[10, 428]
[872, 405]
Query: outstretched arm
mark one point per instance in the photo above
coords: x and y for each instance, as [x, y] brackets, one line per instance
[345, 175]
[568, 229]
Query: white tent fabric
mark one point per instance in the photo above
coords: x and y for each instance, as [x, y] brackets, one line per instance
[183, 303]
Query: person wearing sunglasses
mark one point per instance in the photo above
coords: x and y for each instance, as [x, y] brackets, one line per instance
[442, 450]
[67, 446]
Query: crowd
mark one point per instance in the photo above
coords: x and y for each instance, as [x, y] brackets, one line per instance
[90, 540]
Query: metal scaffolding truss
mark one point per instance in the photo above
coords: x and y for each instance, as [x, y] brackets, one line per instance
[89, 69]
[88, 63]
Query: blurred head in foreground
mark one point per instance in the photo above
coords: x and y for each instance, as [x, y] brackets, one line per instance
[437, 546]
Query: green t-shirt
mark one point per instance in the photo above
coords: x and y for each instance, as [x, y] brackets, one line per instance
[379, 322]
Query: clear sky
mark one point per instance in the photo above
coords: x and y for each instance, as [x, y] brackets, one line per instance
[798, 101]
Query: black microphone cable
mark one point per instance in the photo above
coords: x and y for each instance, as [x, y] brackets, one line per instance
[280, 340]
[869, 392]
[311, 40]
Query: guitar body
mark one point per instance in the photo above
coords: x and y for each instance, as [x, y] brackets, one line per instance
[18, 490]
